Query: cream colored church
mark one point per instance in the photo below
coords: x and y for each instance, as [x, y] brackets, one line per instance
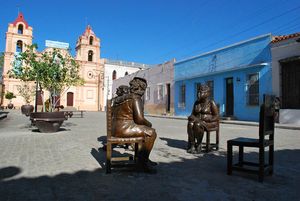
[93, 94]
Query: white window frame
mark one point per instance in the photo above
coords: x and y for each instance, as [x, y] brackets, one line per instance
[147, 93]
[160, 96]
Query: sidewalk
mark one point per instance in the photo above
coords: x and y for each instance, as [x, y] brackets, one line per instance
[236, 122]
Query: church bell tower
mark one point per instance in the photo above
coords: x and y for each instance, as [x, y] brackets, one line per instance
[18, 35]
[92, 69]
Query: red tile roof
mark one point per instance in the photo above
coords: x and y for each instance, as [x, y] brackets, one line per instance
[88, 31]
[20, 18]
[276, 39]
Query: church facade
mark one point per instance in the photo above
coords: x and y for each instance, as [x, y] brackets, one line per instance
[90, 96]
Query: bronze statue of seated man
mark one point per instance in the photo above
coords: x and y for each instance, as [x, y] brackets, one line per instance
[128, 120]
[121, 90]
[204, 116]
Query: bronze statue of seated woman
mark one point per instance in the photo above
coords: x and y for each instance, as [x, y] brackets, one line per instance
[204, 116]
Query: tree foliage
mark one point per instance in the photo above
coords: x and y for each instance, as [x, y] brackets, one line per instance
[27, 91]
[53, 70]
[9, 95]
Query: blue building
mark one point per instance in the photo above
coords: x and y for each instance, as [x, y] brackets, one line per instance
[238, 75]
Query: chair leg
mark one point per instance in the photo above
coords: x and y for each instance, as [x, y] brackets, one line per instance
[108, 157]
[207, 141]
[241, 155]
[261, 164]
[136, 148]
[217, 139]
[229, 158]
[271, 158]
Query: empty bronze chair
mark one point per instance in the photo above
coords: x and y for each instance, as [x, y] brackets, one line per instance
[266, 139]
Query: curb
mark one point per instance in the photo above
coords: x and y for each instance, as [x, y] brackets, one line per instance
[234, 122]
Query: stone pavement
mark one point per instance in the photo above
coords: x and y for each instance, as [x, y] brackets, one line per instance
[70, 165]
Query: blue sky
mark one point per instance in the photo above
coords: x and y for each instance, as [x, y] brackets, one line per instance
[153, 31]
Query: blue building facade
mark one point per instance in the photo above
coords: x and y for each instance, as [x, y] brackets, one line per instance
[239, 75]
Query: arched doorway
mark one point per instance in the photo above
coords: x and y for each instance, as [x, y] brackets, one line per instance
[70, 98]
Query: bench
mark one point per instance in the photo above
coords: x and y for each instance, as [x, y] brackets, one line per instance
[74, 112]
[70, 111]
[111, 141]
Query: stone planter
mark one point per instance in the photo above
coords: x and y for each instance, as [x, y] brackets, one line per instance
[27, 109]
[10, 106]
[47, 122]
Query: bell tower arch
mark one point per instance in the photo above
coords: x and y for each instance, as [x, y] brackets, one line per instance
[88, 46]
[19, 30]
[18, 35]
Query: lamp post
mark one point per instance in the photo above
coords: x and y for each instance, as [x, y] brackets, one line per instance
[98, 76]
[98, 88]
[36, 96]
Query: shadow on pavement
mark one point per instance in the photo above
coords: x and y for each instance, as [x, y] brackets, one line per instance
[180, 144]
[200, 178]
[35, 130]
[8, 172]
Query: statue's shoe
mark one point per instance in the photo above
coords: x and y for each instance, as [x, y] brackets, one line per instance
[198, 149]
[191, 150]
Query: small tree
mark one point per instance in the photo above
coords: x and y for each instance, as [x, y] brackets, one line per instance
[9, 95]
[26, 91]
[53, 71]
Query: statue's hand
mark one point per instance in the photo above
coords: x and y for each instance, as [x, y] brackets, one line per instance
[191, 118]
[148, 133]
[207, 118]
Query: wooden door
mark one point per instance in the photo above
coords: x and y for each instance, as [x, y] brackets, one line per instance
[70, 98]
[229, 96]
[168, 98]
[290, 80]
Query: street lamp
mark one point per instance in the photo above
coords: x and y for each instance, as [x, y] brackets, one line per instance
[98, 76]
[36, 95]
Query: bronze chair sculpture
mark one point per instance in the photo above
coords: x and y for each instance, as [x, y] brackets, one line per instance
[127, 125]
[266, 128]
[204, 118]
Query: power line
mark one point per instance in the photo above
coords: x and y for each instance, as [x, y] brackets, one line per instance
[180, 26]
[295, 27]
[250, 28]
[238, 33]
[213, 33]
[292, 22]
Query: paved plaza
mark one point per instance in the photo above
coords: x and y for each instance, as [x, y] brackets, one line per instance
[70, 165]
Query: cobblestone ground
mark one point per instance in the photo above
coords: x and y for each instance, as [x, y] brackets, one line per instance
[70, 165]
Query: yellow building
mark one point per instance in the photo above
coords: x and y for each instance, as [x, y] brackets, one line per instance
[86, 97]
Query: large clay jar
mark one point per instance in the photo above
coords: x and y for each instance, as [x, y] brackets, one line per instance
[10, 106]
[27, 109]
